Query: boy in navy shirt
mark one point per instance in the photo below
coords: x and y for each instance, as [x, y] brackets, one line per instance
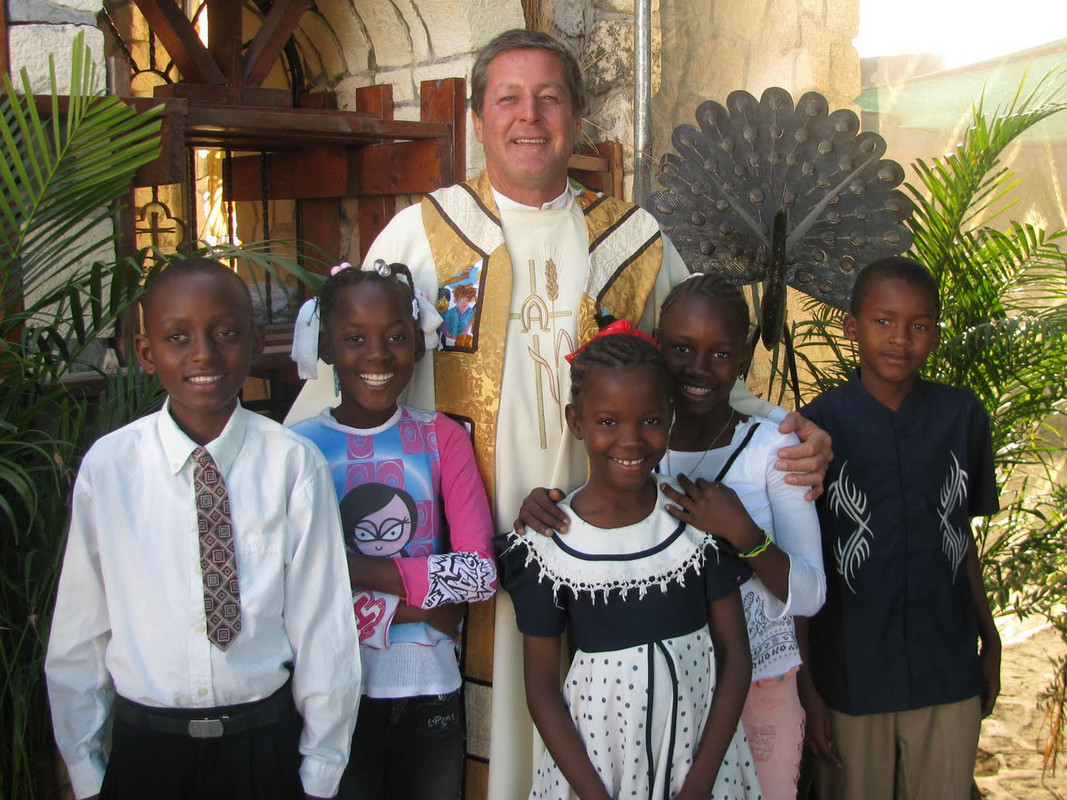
[895, 686]
[203, 598]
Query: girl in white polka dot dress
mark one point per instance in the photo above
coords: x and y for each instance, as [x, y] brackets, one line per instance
[651, 703]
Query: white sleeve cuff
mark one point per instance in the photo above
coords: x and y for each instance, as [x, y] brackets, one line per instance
[320, 778]
[86, 777]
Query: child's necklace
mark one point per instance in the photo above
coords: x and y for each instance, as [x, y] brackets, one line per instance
[711, 445]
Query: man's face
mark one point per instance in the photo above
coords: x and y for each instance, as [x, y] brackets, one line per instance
[527, 126]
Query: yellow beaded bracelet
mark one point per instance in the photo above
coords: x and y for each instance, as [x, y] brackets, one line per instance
[755, 551]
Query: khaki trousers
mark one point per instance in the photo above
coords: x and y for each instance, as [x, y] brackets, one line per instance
[925, 754]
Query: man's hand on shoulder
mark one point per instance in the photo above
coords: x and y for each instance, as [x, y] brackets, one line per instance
[808, 461]
[540, 512]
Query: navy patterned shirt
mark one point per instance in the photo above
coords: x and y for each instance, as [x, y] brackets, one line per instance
[898, 630]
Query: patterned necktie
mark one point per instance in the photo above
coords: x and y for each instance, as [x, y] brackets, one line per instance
[222, 596]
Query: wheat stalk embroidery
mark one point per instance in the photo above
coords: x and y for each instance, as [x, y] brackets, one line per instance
[845, 499]
[953, 493]
[551, 280]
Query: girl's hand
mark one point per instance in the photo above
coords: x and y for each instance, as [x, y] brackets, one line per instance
[446, 617]
[540, 513]
[716, 509]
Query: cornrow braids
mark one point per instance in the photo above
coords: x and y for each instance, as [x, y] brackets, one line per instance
[617, 351]
[353, 276]
[710, 284]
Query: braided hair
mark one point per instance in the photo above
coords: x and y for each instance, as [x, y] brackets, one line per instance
[353, 276]
[711, 285]
[617, 351]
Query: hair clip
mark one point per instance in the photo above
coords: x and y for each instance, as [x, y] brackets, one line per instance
[383, 269]
[615, 328]
[340, 268]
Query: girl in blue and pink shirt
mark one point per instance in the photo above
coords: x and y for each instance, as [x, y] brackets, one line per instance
[417, 531]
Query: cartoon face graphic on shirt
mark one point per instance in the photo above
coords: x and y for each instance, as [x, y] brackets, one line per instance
[378, 520]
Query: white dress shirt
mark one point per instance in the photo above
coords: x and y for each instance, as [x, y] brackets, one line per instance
[129, 615]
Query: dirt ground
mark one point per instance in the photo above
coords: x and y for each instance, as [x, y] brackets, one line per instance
[1009, 762]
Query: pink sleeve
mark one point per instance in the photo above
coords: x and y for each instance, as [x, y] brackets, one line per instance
[468, 572]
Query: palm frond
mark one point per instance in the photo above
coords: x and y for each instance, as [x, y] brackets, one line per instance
[62, 172]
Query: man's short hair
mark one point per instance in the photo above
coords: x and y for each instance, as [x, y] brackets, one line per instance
[518, 39]
[894, 268]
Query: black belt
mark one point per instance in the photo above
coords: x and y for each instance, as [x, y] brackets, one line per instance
[207, 723]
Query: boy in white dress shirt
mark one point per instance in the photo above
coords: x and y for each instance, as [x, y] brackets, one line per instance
[222, 685]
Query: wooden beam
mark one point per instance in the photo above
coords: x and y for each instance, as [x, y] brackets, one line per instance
[446, 101]
[270, 128]
[224, 32]
[400, 168]
[298, 175]
[279, 25]
[180, 39]
[375, 101]
[203, 94]
[599, 167]
[378, 170]
[169, 167]
[374, 212]
[321, 226]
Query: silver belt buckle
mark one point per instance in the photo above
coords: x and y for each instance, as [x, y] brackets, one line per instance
[205, 728]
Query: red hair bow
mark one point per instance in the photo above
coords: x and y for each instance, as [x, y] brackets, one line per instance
[617, 327]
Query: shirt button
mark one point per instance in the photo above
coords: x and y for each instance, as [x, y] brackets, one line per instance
[201, 692]
[201, 628]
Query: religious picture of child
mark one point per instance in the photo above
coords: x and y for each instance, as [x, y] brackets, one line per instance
[460, 316]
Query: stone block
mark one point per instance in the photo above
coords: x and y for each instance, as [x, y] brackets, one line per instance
[325, 58]
[73, 12]
[459, 67]
[613, 118]
[387, 31]
[447, 26]
[569, 16]
[738, 19]
[486, 18]
[844, 78]
[333, 27]
[30, 45]
[618, 6]
[609, 55]
[405, 88]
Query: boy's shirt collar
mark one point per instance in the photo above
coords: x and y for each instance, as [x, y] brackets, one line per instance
[910, 405]
[178, 447]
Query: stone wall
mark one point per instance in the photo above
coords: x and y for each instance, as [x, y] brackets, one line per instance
[37, 28]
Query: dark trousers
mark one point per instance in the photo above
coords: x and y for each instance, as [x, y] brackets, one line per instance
[258, 764]
[409, 748]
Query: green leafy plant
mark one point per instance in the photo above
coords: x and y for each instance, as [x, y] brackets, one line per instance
[67, 163]
[1004, 337]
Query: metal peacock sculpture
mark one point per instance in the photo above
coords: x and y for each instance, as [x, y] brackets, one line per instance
[763, 191]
